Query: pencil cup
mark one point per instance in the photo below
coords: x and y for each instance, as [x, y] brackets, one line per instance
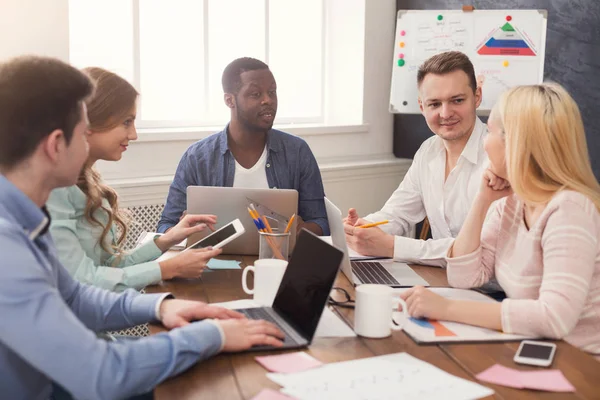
[274, 245]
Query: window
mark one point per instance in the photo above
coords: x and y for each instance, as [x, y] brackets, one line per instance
[174, 53]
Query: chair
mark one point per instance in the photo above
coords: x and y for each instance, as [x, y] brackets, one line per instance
[424, 234]
[144, 219]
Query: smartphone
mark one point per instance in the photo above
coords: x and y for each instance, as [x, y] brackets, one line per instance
[221, 236]
[531, 352]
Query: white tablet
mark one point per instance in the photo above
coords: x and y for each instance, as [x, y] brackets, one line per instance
[220, 237]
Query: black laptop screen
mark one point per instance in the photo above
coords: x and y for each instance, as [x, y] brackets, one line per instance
[306, 284]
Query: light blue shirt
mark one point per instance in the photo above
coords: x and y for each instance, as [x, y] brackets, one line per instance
[79, 250]
[48, 321]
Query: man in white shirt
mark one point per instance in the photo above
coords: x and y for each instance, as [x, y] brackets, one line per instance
[444, 176]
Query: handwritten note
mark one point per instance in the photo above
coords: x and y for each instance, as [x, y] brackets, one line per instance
[393, 376]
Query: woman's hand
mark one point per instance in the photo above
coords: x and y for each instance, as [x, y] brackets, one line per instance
[493, 187]
[188, 264]
[423, 303]
[188, 225]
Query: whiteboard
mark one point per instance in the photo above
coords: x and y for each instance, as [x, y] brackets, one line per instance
[507, 48]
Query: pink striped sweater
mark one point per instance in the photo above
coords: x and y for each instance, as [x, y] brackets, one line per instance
[550, 273]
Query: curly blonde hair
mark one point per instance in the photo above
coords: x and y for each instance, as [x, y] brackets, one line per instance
[112, 101]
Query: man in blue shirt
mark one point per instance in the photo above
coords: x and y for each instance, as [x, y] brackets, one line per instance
[49, 320]
[249, 153]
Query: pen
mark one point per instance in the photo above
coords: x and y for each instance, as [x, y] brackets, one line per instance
[374, 224]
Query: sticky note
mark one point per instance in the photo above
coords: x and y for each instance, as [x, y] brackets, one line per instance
[501, 375]
[551, 380]
[214, 263]
[270, 394]
[289, 362]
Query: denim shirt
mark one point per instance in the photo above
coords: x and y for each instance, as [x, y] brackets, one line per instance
[290, 165]
[49, 319]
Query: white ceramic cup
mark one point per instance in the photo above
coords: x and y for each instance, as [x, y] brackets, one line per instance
[267, 278]
[373, 310]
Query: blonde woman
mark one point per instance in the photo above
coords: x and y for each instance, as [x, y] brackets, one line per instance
[541, 240]
[85, 216]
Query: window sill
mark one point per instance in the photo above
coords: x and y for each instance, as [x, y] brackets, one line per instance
[146, 135]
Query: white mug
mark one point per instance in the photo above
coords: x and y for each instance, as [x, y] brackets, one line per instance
[267, 278]
[373, 311]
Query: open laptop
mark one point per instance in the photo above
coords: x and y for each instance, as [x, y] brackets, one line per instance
[303, 292]
[383, 272]
[229, 203]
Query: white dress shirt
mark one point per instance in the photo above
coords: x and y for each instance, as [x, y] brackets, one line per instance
[423, 192]
[254, 177]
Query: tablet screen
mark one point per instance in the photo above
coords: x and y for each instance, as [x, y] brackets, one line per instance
[216, 237]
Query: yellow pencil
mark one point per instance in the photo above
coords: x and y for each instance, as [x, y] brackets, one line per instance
[374, 224]
[289, 225]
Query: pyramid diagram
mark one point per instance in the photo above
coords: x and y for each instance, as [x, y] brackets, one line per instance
[506, 41]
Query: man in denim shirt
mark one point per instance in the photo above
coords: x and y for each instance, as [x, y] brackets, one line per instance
[249, 153]
[49, 319]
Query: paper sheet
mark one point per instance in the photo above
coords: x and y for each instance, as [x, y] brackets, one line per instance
[330, 324]
[429, 331]
[389, 377]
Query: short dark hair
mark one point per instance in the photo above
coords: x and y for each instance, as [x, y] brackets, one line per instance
[37, 96]
[231, 80]
[445, 63]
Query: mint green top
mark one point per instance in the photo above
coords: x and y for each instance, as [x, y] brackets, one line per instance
[79, 250]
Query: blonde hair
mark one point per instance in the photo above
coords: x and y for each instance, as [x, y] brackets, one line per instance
[546, 149]
[112, 101]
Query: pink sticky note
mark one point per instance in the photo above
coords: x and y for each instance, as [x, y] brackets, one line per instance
[290, 362]
[269, 394]
[551, 380]
[501, 375]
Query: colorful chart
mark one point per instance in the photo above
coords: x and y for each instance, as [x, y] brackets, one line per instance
[438, 328]
[506, 41]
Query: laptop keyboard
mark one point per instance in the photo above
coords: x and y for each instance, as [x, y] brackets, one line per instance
[373, 272]
[261, 313]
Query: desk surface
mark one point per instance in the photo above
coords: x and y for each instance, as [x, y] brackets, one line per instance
[238, 376]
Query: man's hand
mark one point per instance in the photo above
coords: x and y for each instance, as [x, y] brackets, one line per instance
[177, 313]
[353, 219]
[241, 334]
[369, 241]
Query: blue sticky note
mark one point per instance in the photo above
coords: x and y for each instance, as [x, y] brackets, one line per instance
[214, 263]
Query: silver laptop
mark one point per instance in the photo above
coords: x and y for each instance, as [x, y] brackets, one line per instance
[383, 272]
[303, 292]
[228, 203]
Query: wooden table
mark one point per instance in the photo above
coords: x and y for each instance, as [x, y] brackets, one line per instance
[238, 376]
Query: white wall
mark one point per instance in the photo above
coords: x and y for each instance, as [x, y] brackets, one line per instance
[356, 161]
[34, 27]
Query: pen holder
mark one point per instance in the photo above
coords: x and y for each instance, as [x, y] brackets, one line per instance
[274, 245]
